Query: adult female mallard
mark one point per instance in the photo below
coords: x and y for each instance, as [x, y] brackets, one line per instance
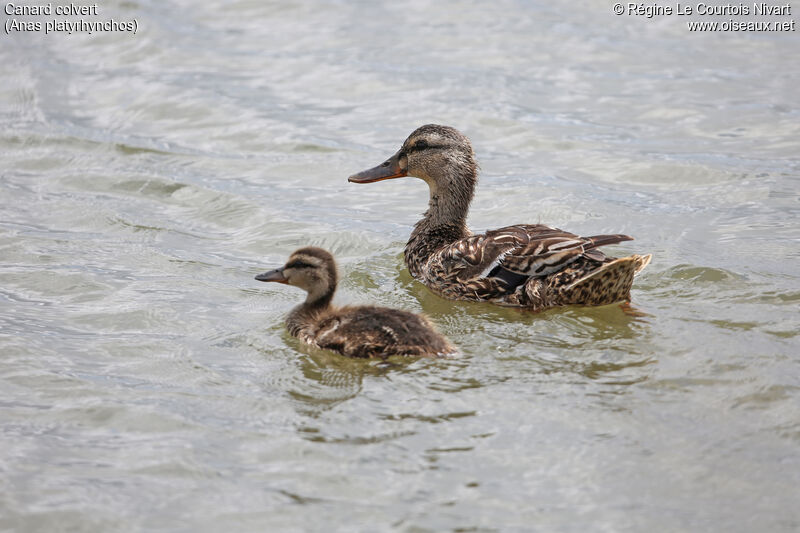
[363, 331]
[532, 266]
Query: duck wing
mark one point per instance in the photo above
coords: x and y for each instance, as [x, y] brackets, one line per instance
[515, 253]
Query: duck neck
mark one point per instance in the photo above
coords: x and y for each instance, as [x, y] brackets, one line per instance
[304, 316]
[443, 223]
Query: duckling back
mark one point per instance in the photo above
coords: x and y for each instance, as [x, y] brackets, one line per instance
[368, 331]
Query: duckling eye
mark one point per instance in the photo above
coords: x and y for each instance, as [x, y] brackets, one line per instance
[422, 143]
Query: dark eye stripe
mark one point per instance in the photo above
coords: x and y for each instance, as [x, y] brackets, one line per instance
[299, 264]
[422, 145]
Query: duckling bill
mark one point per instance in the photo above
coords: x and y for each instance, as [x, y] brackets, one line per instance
[353, 331]
[531, 266]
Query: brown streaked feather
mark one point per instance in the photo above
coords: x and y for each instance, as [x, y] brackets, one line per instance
[521, 250]
[611, 283]
[368, 332]
[479, 268]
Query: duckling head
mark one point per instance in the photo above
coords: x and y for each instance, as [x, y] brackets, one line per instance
[311, 269]
[439, 155]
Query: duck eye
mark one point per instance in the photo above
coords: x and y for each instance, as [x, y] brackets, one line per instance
[298, 264]
[422, 143]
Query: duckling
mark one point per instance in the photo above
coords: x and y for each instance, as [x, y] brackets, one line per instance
[362, 331]
[530, 266]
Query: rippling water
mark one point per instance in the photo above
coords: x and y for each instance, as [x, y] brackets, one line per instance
[147, 382]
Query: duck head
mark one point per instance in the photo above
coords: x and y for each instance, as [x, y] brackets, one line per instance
[439, 155]
[311, 269]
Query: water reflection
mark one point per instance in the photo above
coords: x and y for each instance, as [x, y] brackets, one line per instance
[625, 372]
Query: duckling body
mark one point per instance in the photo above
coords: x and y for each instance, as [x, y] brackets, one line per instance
[353, 331]
[532, 266]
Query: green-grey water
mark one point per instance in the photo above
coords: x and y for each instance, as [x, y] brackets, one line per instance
[147, 382]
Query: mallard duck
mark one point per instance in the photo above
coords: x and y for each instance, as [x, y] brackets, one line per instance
[531, 266]
[362, 331]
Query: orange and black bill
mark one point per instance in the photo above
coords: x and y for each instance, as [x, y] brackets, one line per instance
[387, 170]
[273, 275]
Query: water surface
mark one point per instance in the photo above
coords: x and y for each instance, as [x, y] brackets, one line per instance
[147, 382]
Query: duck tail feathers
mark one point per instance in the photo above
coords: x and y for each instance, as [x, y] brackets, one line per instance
[607, 284]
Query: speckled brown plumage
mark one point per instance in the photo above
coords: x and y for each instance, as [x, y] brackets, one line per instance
[526, 265]
[353, 331]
